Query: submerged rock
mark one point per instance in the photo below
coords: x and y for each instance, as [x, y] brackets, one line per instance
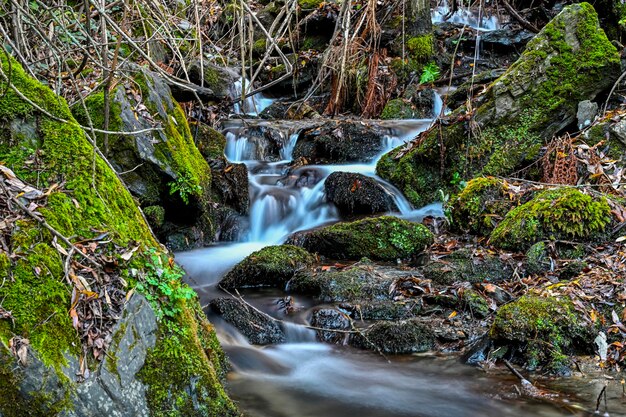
[381, 238]
[357, 194]
[569, 61]
[396, 337]
[271, 266]
[257, 327]
[332, 319]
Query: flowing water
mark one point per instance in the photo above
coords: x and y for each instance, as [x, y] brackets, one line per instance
[305, 378]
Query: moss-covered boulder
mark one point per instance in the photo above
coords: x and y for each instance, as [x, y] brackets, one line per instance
[569, 61]
[480, 206]
[381, 238]
[545, 329]
[271, 266]
[561, 213]
[470, 266]
[396, 337]
[162, 166]
[399, 108]
[86, 199]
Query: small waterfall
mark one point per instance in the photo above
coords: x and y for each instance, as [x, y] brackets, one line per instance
[465, 16]
[252, 105]
[297, 333]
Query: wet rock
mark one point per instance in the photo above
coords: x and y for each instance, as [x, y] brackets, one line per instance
[409, 336]
[289, 111]
[230, 184]
[381, 238]
[209, 141]
[271, 266]
[569, 61]
[506, 38]
[464, 265]
[340, 142]
[257, 327]
[586, 114]
[360, 283]
[216, 84]
[357, 194]
[382, 310]
[332, 319]
[458, 97]
[399, 108]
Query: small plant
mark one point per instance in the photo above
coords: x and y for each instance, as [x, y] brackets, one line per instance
[458, 181]
[163, 287]
[185, 187]
[430, 73]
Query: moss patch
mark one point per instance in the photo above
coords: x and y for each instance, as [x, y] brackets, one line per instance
[271, 266]
[383, 238]
[561, 213]
[546, 329]
[480, 205]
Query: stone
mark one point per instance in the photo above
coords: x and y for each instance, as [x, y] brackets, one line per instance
[258, 328]
[396, 337]
[587, 111]
[357, 194]
[569, 61]
[619, 130]
[380, 238]
[332, 319]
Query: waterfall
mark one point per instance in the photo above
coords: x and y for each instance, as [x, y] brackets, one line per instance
[252, 105]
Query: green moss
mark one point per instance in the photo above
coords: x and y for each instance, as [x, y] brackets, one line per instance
[209, 141]
[545, 328]
[474, 303]
[309, 4]
[186, 355]
[95, 107]
[270, 266]
[480, 205]
[525, 107]
[155, 215]
[421, 47]
[561, 213]
[398, 109]
[536, 258]
[39, 301]
[314, 42]
[382, 238]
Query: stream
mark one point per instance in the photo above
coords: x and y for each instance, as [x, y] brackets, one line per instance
[306, 378]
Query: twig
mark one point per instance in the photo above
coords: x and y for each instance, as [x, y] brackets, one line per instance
[523, 22]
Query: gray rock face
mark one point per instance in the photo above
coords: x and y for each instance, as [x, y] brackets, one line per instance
[332, 319]
[619, 130]
[112, 390]
[115, 390]
[587, 111]
[357, 194]
[258, 328]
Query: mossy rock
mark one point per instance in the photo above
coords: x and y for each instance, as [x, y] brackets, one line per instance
[309, 4]
[363, 282]
[569, 61]
[271, 266]
[480, 206]
[398, 109]
[186, 359]
[209, 141]
[463, 265]
[556, 214]
[381, 238]
[546, 329]
[421, 47]
[399, 337]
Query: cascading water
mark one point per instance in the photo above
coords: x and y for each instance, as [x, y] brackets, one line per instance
[465, 16]
[251, 105]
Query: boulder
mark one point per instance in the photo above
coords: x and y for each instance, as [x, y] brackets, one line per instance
[257, 327]
[331, 319]
[340, 142]
[357, 194]
[544, 329]
[466, 265]
[556, 214]
[230, 184]
[569, 61]
[381, 238]
[396, 337]
[271, 266]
